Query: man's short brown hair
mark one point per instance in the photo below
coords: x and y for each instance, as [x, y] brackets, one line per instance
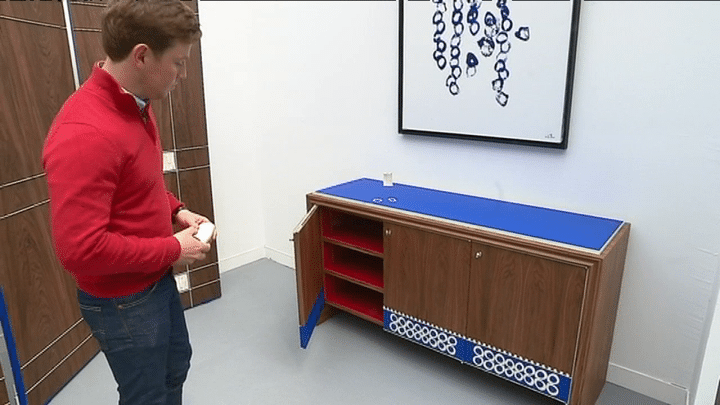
[156, 23]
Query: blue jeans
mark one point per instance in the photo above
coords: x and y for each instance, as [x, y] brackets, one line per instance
[145, 340]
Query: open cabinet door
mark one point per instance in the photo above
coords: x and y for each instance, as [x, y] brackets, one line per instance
[309, 272]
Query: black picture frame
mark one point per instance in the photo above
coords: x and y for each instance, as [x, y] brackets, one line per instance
[473, 69]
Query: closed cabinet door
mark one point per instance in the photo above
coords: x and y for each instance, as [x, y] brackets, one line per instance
[426, 276]
[527, 305]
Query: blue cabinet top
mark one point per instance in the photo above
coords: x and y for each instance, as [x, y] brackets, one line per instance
[559, 226]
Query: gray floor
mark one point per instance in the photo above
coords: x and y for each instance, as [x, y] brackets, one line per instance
[246, 351]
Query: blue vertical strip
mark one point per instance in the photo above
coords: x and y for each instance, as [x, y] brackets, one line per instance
[12, 350]
[307, 329]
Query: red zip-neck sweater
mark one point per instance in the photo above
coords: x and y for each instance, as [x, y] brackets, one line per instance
[111, 214]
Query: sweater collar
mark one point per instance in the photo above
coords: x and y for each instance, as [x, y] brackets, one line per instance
[122, 98]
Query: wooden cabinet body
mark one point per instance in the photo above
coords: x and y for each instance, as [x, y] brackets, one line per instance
[535, 311]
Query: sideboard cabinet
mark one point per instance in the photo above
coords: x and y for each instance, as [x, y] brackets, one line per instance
[526, 293]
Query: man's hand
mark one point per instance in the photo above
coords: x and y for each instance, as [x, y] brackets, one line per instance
[186, 218]
[191, 249]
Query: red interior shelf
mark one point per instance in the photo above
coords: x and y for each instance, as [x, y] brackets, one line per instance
[354, 265]
[355, 298]
[352, 230]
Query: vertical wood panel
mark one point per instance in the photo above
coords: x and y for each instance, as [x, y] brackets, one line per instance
[207, 293]
[86, 21]
[87, 14]
[88, 49]
[530, 306]
[195, 189]
[161, 108]
[51, 384]
[204, 275]
[22, 195]
[190, 141]
[49, 12]
[41, 292]
[185, 299]
[429, 276]
[188, 105]
[35, 64]
[190, 158]
[599, 320]
[171, 182]
[42, 304]
[39, 376]
[196, 193]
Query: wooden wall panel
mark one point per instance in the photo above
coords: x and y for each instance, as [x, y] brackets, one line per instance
[52, 383]
[86, 21]
[206, 293]
[22, 195]
[3, 392]
[171, 182]
[87, 14]
[192, 4]
[41, 298]
[188, 105]
[52, 341]
[162, 115]
[196, 194]
[42, 293]
[48, 12]
[185, 299]
[88, 50]
[37, 61]
[191, 158]
[205, 275]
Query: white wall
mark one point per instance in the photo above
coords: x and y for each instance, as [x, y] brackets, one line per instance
[303, 95]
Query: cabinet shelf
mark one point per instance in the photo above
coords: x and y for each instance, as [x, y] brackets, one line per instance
[355, 299]
[354, 266]
[353, 231]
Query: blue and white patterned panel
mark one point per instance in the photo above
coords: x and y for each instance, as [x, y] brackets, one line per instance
[537, 377]
[421, 332]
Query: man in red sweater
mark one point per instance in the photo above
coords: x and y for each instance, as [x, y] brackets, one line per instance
[111, 214]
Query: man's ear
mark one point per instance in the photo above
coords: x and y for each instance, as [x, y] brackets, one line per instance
[139, 54]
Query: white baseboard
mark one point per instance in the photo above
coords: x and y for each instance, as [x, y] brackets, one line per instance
[241, 259]
[649, 386]
[280, 257]
[256, 254]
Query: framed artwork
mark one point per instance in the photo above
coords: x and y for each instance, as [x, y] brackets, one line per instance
[493, 70]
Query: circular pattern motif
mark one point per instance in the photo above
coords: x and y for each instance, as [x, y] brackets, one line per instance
[424, 334]
[512, 368]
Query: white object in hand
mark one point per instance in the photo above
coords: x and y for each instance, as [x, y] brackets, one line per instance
[205, 232]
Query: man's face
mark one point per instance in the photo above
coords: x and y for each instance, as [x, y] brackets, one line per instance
[164, 71]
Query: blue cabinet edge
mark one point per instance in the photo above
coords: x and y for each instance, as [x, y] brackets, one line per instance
[574, 229]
